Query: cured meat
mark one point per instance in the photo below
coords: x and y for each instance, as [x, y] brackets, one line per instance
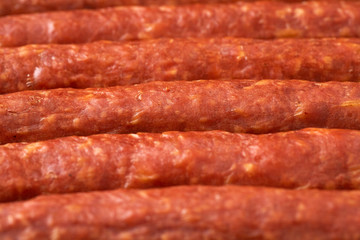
[104, 64]
[31, 6]
[310, 158]
[235, 106]
[260, 19]
[187, 212]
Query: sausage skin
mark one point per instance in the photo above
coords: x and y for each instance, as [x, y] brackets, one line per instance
[31, 6]
[235, 106]
[310, 158]
[104, 64]
[259, 19]
[186, 212]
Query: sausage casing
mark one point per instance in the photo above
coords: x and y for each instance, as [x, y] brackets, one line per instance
[31, 6]
[104, 64]
[185, 212]
[310, 158]
[235, 106]
[259, 19]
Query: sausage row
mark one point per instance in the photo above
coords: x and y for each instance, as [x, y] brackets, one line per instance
[319, 158]
[104, 64]
[235, 106]
[262, 19]
[310, 158]
[187, 212]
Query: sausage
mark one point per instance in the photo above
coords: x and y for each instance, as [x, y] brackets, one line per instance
[263, 19]
[31, 6]
[146, 160]
[234, 106]
[186, 212]
[104, 64]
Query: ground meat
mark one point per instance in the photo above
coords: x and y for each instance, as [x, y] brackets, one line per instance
[259, 19]
[187, 212]
[320, 158]
[236, 106]
[104, 64]
[31, 6]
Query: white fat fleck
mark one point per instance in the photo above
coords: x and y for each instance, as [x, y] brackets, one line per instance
[37, 72]
[165, 9]
[208, 13]
[217, 197]
[134, 136]
[245, 8]
[51, 28]
[136, 118]
[244, 71]
[306, 186]
[299, 12]
[10, 219]
[97, 151]
[254, 149]
[126, 36]
[184, 211]
[149, 28]
[299, 111]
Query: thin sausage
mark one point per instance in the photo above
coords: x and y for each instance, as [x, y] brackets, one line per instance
[235, 106]
[31, 6]
[259, 19]
[186, 212]
[104, 64]
[310, 158]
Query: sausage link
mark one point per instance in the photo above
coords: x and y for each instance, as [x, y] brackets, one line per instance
[186, 212]
[31, 6]
[104, 64]
[263, 19]
[320, 158]
[234, 106]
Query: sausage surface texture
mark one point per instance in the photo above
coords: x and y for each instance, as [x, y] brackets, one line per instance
[104, 64]
[31, 6]
[235, 106]
[310, 158]
[186, 212]
[263, 19]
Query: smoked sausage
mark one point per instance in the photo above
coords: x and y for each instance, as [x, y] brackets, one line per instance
[310, 158]
[259, 19]
[186, 212]
[104, 64]
[235, 106]
[31, 6]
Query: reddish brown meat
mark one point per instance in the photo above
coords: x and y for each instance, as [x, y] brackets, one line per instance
[196, 212]
[235, 106]
[263, 19]
[104, 64]
[311, 158]
[31, 6]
